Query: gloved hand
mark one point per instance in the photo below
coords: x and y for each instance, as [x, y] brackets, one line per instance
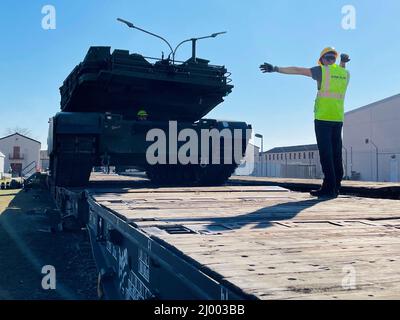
[266, 67]
[344, 58]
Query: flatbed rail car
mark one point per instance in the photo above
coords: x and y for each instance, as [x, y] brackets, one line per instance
[241, 242]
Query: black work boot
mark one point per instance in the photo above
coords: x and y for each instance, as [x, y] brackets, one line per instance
[324, 193]
[338, 186]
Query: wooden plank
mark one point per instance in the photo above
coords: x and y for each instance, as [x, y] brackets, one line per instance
[272, 243]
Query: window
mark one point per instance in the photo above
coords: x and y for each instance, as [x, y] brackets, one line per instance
[270, 157]
[273, 157]
[290, 156]
[304, 155]
[294, 156]
[300, 155]
[16, 152]
[312, 155]
[282, 156]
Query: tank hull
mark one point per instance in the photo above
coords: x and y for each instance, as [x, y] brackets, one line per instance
[80, 141]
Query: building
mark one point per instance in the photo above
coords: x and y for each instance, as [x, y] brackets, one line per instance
[292, 162]
[372, 141]
[44, 160]
[22, 154]
[1, 164]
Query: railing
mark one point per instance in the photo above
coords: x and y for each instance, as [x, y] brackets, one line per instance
[29, 169]
[16, 156]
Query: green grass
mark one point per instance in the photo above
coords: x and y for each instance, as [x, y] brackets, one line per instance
[6, 196]
[9, 179]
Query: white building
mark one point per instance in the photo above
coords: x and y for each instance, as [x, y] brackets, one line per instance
[44, 160]
[372, 141]
[1, 164]
[293, 162]
[22, 154]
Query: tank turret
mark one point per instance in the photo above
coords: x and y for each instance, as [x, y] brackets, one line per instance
[126, 83]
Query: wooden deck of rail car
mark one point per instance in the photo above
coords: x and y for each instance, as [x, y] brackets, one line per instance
[272, 243]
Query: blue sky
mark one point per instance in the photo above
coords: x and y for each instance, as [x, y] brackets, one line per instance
[34, 62]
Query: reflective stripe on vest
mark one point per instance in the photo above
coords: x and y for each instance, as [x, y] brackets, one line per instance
[330, 95]
[329, 104]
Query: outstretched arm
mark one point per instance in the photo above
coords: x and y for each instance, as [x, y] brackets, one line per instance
[295, 70]
[266, 67]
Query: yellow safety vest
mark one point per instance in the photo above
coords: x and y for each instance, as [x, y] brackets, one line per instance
[329, 104]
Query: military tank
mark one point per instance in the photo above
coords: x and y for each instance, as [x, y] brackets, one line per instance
[112, 100]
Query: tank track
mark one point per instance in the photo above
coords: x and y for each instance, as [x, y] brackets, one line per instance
[72, 165]
[190, 175]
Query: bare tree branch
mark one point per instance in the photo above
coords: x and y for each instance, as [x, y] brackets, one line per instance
[23, 131]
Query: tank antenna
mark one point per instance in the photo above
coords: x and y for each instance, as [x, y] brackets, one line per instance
[131, 25]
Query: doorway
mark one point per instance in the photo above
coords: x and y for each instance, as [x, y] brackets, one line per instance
[16, 169]
[394, 169]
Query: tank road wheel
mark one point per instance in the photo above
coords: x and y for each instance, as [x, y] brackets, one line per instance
[170, 175]
[190, 175]
[72, 164]
[213, 175]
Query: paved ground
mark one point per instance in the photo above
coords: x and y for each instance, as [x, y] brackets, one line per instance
[29, 240]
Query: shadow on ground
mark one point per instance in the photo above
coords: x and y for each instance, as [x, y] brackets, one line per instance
[29, 240]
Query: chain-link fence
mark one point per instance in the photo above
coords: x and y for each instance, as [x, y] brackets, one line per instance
[357, 166]
[279, 170]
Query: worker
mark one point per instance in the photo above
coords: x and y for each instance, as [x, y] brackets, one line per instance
[332, 82]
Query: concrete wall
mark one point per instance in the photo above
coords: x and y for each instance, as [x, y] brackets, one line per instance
[380, 123]
[29, 151]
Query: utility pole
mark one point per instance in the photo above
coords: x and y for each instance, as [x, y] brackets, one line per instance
[260, 136]
[345, 167]
[367, 141]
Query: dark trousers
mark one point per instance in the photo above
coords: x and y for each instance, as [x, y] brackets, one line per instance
[329, 140]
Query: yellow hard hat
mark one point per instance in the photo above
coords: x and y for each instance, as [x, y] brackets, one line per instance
[325, 51]
[142, 113]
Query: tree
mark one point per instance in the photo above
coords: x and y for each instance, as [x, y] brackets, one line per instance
[23, 131]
